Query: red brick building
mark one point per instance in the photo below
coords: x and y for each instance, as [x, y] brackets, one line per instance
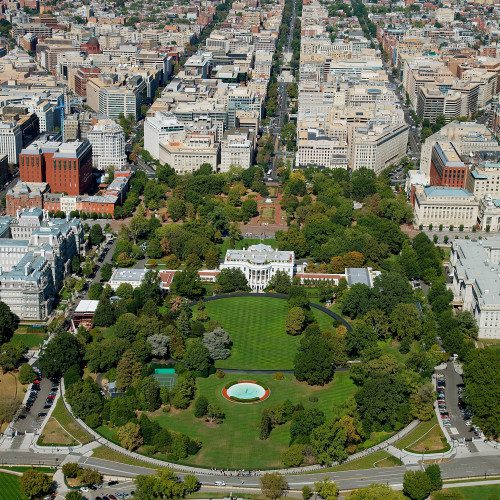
[91, 46]
[447, 168]
[82, 76]
[70, 171]
[25, 195]
[34, 159]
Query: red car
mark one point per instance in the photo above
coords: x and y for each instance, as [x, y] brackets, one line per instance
[51, 396]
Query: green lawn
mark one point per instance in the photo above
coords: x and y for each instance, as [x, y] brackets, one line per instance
[235, 444]
[9, 486]
[257, 328]
[69, 424]
[377, 459]
[478, 492]
[29, 339]
[426, 437]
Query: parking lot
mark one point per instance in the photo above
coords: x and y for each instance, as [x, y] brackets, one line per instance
[453, 412]
[121, 490]
[32, 415]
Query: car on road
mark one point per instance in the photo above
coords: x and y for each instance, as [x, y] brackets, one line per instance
[84, 489]
[220, 483]
[42, 414]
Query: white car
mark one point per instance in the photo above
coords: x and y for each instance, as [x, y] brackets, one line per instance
[84, 489]
[220, 483]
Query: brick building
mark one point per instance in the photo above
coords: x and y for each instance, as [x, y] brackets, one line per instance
[82, 75]
[71, 169]
[34, 159]
[25, 195]
[447, 168]
[66, 167]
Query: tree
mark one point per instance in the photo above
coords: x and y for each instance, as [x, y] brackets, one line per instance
[75, 264]
[197, 357]
[8, 323]
[390, 290]
[96, 235]
[280, 282]
[128, 371]
[249, 209]
[34, 483]
[303, 423]
[306, 492]
[8, 408]
[176, 208]
[294, 322]
[148, 394]
[127, 327]
[433, 472]
[12, 355]
[164, 485]
[215, 413]
[183, 391]
[376, 492]
[416, 485]
[218, 343]
[62, 352]
[273, 485]
[159, 345]
[95, 291]
[26, 374]
[129, 436]
[405, 322]
[187, 284]
[85, 398]
[360, 338]
[200, 406]
[363, 183]
[74, 495]
[314, 361]
[357, 300]
[293, 456]
[231, 280]
[104, 314]
[422, 402]
[70, 469]
[327, 489]
[106, 271]
[88, 475]
[482, 389]
[329, 443]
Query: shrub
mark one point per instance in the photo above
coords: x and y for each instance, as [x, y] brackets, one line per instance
[220, 373]
[279, 376]
[313, 399]
[70, 469]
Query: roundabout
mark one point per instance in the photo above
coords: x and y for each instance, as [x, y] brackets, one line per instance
[245, 391]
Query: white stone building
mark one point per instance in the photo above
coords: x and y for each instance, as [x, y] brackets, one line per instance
[159, 128]
[236, 150]
[259, 263]
[11, 140]
[108, 145]
[436, 205]
[475, 269]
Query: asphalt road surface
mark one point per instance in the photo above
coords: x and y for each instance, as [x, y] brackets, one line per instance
[478, 466]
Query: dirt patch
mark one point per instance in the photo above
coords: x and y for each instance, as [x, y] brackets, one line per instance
[54, 434]
[432, 441]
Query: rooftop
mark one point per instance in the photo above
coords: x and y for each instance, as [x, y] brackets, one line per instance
[444, 192]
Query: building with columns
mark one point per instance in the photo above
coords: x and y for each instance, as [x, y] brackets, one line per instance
[259, 263]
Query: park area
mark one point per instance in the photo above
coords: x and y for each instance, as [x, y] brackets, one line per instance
[427, 437]
[256, 326]
[235, 443]
[9, 486]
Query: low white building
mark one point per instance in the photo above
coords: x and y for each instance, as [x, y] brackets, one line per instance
[475, 269]
[122, 275]
[436, 205]
[259, 263]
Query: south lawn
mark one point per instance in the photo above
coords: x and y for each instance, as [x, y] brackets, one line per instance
[256, 326]
[9, 487]
[235, 444]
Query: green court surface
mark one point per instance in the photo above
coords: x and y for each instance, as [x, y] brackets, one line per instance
[235, 443]
[256, 326]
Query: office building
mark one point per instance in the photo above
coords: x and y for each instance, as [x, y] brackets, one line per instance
[108, 145]
[11, 140]
[475, 271]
